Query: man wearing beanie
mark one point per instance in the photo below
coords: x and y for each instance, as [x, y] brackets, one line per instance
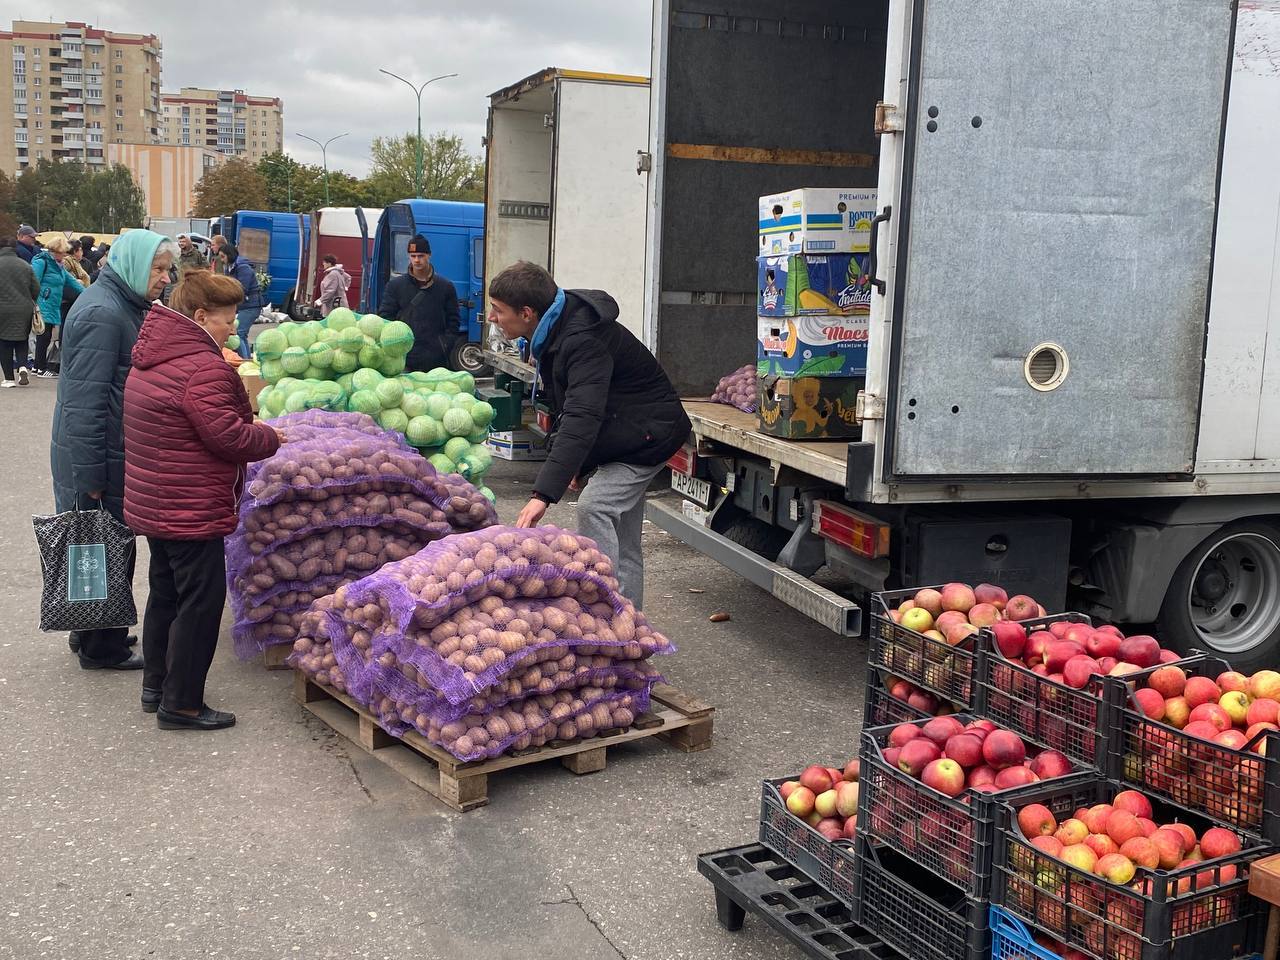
[428, 304]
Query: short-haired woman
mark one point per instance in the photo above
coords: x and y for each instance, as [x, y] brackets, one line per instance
[333, 286]
[241, 268]
[54, 278]
[188, 434]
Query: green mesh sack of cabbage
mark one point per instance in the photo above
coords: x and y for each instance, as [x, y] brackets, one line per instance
[363, 357]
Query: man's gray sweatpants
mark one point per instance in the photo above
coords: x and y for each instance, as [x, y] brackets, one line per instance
[611, 512]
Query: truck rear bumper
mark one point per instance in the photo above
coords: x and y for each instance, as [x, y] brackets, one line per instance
[833, 611]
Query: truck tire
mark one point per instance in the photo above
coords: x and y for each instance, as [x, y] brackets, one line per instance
[469, 357]
[1224, 597]
[757, 536]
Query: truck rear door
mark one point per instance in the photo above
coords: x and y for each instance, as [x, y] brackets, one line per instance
[1053, 214]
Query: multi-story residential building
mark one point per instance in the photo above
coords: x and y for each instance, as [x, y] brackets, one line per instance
[229, 121]
[72, 88]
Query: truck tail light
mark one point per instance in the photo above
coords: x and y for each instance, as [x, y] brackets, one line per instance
[864, 535]
[544, 420]
[684, 460]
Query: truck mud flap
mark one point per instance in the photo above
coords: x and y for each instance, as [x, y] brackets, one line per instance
[838, 614]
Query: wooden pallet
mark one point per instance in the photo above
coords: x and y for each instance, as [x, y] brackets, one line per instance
[680, 720]
[274, 656]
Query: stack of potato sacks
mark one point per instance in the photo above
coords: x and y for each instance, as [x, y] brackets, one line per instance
[335, 503]
[499, 639]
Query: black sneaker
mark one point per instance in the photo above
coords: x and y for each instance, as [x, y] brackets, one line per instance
[206, 719]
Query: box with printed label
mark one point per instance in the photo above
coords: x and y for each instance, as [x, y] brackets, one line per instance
[816, 346]
[521, 444]
[817, 220]
[793, 285]
[809, 408]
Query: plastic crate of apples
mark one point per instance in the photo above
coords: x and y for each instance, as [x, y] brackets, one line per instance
[927, 789]
[1108, 871]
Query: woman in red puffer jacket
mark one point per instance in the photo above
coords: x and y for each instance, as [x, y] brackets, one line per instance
[188, 434]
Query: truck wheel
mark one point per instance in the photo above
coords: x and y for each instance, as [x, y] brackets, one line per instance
[757, 536]
[469, 357]
[1225, 597]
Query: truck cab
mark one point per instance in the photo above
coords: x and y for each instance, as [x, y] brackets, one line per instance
[455, 230]
[344, 233]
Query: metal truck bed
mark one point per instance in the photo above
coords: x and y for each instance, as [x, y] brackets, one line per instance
[825, 459]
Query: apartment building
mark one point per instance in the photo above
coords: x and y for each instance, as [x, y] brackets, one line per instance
[229, 121]
[72, 89]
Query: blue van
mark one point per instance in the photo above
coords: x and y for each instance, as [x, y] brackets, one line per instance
[455, 230]
[272, 242]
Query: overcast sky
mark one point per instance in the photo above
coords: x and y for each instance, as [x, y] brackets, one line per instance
[323, 57]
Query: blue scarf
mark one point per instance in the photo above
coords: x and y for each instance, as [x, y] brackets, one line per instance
[545, 325]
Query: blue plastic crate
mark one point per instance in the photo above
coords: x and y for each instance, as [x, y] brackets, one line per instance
[1011, 940]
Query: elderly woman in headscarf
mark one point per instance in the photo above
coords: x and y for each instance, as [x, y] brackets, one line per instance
[87, 454]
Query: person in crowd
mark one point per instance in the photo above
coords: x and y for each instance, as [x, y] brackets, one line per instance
[234, 265]
[76, 264]
[189, 432]
[27, 247]
[89, 246]
[428, 303]
[616, 418]
[19, 292]
[189, 257]
[216, 243]
[87, 451]
[333, 286]
[53, 279]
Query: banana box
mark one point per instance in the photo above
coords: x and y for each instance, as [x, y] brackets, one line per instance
[817, 220]
[798, 284]
[809, 408]
[812, 346]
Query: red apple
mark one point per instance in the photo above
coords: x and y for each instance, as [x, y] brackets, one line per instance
[1095, 818]
[900, 690]
[1059, 628]
[825, 803]
[1036, 820]
[900, 735]
[1262, 711]
[891, 755]
[930, 600]
[990, 593]
[1211, 713]
[1148, 826]
[1003, 749]
[1123, 825]
[1082, 858]
[1037, 649]
[965, 749]
[987, 726]
[923, 701]
[1011, 777]
[1106, 664]
[1077, 671]
[800, 803]
[1060, 653]
[1189, 838]
[916, 755]
[1176, 712]
[1141, 650]
[847, 799]
[1021, 607]
[983, 614]
[852, 770]
[958, 633]
[1071, 832]
[1218, 842]
[1149, 702]
[1051, 763]
[1142, 852]
[1254, 731]
[1231, 680]
[1170, 845]
[1101, 644]
[942, 729]
[1168, 681]
[1265, 685]
[1047, 844]
[1010, 637]
[816, 779]
[1202, 729]
[850, 831]
[1115, 867]
[1169, 656]
[1101, 844]
[945, 776]
[1134, 802]
[1201, 690]
[982, 776]
[958, 596]
[1231, 739]
[787, 788]
[949, 619]
[836, 775]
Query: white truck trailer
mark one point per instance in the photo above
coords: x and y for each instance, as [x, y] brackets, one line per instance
[1073, 375]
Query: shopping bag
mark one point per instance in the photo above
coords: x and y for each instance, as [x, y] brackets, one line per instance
[85, 558]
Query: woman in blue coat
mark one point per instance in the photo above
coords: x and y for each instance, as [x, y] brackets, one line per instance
[53, 278]
[249, 309]
[87, 453]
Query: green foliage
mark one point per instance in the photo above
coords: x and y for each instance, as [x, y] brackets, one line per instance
[70, 196]
[234, 185]
[449, 172]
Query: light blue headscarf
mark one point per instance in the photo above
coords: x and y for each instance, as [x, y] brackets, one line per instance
[131, 257]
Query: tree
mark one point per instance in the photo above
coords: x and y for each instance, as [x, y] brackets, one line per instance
[47, 195]
[300, 187]
[235, 185]
[449, 172]
[110, 201]
[8, 222]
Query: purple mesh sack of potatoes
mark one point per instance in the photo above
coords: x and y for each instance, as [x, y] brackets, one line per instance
[738, 389]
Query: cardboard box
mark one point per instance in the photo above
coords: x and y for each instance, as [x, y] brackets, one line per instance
[517, 445]
[809, 408]
[254, 385]
[826, 346]
[817, 220]
[800, 284]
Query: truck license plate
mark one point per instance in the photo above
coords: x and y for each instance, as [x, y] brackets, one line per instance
[699, 491]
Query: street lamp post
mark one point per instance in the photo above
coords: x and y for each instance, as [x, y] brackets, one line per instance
[417, 184]
[324, 159]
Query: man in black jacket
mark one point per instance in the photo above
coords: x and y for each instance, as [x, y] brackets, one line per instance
[616, 417]
[428, 304]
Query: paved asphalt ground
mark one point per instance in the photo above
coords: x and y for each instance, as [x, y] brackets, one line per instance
[277, 839]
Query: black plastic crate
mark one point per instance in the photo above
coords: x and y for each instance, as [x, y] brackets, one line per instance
[759, 881]
[1063, 718]
[881, 707]
[1201, 913]
[915, 912]
[935, 665]
[830, 862]
[951, 837]
[1238, 788]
